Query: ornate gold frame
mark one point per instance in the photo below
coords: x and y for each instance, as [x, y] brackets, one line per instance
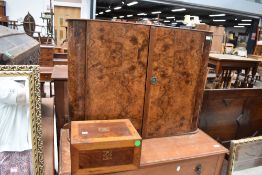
[35, 110]
[233, 150]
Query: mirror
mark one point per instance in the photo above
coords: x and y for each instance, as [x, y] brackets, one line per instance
[245, 157]
[20, 121]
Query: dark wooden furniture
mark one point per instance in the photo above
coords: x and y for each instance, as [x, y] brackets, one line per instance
[60, 61]
[60, 58]
[46, 55]
[17, 48]
[47, 109]
[229, 114]
[3, 17]
[59, 77]
[225, 65]
[191, 154]
[2, 8]
[149, 74]
[45, 76]
[104, 146]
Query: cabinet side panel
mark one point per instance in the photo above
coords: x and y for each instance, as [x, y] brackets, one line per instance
[116, 71]
[179, 64]
[76, 68]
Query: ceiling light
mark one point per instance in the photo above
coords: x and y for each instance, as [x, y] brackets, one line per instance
[108, 11]
[178, 10]
[174, 23]
[219, 20]
[180, 21]
[235, 19]
[129, 15]
[141, 14]
[166, 21]
[101, 13]
[157, 12]
[170, 17]
[247, 20]
[244, 24]
[114, 17]
[132, 3]
[217, 15]
[117, 8]
[121, 16]
[96, 14]
[239, 26]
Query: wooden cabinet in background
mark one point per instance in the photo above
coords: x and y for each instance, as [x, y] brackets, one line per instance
[152, 75]
[2, 9]
[230, 114]
[46, 55]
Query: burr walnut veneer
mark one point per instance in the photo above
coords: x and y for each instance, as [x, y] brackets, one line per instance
[152, 75]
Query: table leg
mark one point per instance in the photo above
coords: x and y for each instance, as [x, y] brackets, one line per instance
[245, 82]
[254, 71]
[237, 82]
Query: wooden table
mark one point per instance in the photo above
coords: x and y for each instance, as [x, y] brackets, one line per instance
[60, 76]
[168, 155]
[47, 109]
[45, 75]
[225, 65]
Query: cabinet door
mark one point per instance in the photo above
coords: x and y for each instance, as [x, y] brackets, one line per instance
[177, 68]
[116, 64]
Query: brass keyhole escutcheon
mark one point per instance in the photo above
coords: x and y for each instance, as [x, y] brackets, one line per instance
[198, 169]
[153, 80]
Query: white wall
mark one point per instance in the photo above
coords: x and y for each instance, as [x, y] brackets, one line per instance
[18, 9]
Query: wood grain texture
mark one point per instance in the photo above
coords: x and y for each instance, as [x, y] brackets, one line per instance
[77, 68]
[164, 155]
[116, 63]
[229, 114]
[47, 109]
[179, 62]
[104, 146]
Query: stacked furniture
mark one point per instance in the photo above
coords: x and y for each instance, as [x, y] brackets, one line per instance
[154, 76]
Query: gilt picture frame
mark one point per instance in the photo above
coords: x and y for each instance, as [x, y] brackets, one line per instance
[245, 156]
[28, 77]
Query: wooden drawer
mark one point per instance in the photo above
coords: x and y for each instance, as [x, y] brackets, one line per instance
[46, 55]
[199, 166]
[60, 61]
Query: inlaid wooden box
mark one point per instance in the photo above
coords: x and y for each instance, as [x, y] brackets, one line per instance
[104, 146]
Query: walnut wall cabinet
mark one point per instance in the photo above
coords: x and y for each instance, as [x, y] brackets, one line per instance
[152, 75]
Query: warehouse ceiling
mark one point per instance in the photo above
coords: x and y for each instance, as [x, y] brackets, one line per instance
[109, 9]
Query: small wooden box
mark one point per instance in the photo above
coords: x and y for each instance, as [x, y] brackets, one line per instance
[104, 146]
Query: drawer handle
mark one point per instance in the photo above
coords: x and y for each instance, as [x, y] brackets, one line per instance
[198, 169]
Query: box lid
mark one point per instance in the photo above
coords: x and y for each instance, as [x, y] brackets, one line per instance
[94, 131]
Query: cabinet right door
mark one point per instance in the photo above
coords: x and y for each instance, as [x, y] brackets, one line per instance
[177, 68]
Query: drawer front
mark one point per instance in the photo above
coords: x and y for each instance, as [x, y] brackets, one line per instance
[46, 56]
[199, 166]
[105, 158]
